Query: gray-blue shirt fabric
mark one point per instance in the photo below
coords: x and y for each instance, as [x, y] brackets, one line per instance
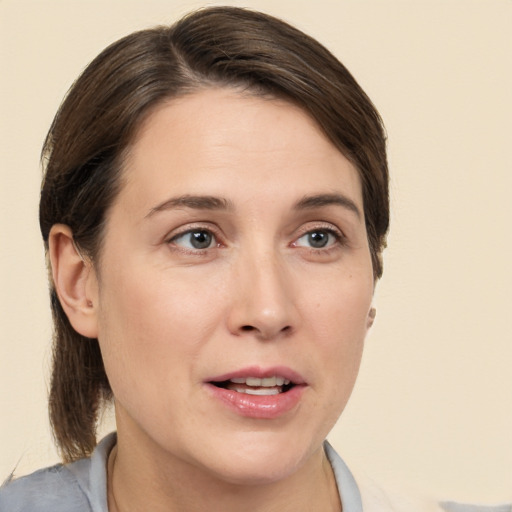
[82, 487]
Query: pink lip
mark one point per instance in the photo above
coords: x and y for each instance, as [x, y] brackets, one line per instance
[257, 406]
[261, 373]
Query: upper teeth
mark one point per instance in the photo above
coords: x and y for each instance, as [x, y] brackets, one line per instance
[266, 382]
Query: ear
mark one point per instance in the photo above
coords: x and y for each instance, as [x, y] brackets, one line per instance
[75, 281]
[371, 317]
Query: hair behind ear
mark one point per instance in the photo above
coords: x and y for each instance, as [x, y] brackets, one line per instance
[79, 383]
[78, 387]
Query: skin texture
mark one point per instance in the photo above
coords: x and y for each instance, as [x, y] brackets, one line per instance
[169, 316]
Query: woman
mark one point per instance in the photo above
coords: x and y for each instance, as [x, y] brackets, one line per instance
[214, 209]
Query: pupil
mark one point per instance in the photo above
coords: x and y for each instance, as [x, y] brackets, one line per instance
[318, 239]
[201, 239]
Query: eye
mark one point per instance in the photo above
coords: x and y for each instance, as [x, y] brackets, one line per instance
[198, 239]
[318, 239]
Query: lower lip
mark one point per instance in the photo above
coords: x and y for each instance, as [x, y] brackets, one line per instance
[258, 406]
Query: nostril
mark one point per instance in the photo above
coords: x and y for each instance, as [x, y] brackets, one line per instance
[265, 333]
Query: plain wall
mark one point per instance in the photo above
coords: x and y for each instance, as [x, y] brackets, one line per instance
[433, 404]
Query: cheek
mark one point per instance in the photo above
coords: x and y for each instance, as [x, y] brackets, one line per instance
[137, 298]
[342, 306]
[341, 318]
[149, 324]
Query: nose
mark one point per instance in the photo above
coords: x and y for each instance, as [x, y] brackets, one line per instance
[264, 299]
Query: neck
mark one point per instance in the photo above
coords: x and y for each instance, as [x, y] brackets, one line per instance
[137, 483]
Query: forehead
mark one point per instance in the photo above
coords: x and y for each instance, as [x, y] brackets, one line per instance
[216, 140]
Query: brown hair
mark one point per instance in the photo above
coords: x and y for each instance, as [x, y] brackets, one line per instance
[82, 154]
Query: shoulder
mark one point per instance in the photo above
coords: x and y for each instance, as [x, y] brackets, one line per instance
[52, 489]
[80, 486]
[376, 499]
[359, 493]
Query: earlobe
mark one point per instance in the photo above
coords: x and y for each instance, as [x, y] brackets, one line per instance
[371, 317]
[74, 280]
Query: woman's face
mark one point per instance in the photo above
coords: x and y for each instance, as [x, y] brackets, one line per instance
[234, 286]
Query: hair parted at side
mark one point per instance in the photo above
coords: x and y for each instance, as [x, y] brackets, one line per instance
[99, 118]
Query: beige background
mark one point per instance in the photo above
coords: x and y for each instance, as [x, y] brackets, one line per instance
[433, 405]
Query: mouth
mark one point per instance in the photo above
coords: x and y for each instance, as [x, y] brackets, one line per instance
[257, 393]
[266, 386]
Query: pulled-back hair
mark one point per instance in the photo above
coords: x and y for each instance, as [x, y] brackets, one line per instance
[99, 118]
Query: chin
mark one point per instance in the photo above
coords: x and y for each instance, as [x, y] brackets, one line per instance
[255, 473]
[261, 459]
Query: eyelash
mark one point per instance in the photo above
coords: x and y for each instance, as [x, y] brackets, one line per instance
[339, 239]
[330, 230]
[171, 241]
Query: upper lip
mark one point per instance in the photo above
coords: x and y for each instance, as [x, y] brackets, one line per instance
[259, 372]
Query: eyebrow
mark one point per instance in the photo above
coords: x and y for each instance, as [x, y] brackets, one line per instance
[320, 200]
[195, 202]
[220, 203]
